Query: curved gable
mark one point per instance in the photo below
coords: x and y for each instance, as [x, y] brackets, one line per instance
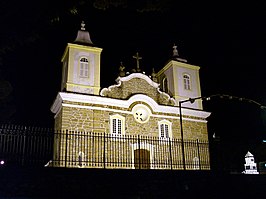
[137, 83]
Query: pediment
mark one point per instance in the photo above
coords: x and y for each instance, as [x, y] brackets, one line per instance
[137, 83]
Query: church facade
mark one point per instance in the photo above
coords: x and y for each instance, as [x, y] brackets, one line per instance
[130, 125]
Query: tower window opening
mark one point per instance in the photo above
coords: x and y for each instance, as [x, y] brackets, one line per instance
[84, 67]
[165, 85]
[187, 82]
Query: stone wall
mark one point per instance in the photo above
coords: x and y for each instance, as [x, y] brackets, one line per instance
[96, 118]
[138, 86]
[79, 118]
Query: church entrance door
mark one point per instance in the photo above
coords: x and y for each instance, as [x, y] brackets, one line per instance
[142, 159]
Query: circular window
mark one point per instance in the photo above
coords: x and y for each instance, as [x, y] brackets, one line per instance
[141, 113]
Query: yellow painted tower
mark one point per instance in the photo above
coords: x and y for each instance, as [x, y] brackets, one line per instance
[81, 65]
[134, 124]
[181, 80]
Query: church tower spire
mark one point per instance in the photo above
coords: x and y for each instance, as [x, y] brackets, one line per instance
[81, 65]
[83, 36]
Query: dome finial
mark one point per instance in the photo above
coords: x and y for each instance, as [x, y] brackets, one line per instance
[153, 76]
[122, 72]
[83, 36]
[176, 55]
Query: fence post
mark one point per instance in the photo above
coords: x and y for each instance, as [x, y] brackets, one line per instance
[139, 150]
[170, 153]
[183, 154]
[24, 145]
[66, 148]
[197, 141]
[104, 150]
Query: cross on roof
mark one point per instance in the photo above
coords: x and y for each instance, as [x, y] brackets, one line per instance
[175, 52]
[137, 57]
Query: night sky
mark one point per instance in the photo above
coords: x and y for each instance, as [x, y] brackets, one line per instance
[226, 40]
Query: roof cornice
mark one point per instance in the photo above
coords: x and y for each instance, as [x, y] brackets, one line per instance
[72, 97]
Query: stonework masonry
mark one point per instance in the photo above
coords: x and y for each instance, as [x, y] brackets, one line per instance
[132, 124]
[89, 119]
[136, 86]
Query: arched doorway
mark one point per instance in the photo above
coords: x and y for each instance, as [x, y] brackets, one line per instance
[142, 159]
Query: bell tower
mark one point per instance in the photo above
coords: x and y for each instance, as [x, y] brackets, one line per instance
[180, 80]
[81, 65]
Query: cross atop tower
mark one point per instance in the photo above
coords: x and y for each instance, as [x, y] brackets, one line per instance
[137, 57]
[176, 55]
[175, 52]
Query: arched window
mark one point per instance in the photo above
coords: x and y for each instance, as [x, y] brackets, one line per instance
[84, 67]
[187, 82]
[165, 129]
[165, 85]
[117, 124]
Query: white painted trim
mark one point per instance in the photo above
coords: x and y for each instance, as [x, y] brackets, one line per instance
[129, 112]
[98, 100]
[164, 121]
[175, 63]
[55, 116]
[102, 93]
[120, 117]
[119, 80]
[57, 104]
[167, 95]
[138, 75]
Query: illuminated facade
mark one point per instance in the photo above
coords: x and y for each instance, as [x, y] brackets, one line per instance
[133, 124]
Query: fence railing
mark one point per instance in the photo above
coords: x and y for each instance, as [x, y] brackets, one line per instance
[24, 146]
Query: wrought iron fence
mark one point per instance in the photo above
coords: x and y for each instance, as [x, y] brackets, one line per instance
[26, 146]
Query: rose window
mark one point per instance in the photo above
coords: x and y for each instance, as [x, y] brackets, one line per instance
[141, 113]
